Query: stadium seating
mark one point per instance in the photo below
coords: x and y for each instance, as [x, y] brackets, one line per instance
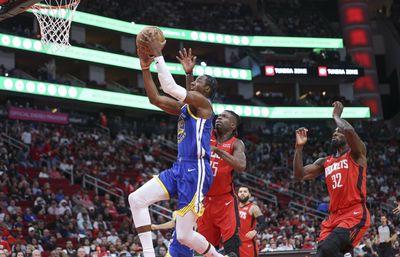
[269, 147]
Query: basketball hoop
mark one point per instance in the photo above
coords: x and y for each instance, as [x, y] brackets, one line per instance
[55, 17]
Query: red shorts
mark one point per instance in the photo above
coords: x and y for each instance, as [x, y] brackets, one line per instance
[249, 249]
[220, 219]
[355, 218]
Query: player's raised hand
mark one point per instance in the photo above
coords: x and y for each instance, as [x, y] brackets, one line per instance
[337, 109]
[145, 60]
[153, 42]
[187, 59]
[301, 136]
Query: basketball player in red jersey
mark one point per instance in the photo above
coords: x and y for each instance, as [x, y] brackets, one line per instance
[251, 221]
[345, 176]
[220, 220]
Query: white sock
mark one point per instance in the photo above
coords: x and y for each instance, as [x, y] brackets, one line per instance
[147, 244]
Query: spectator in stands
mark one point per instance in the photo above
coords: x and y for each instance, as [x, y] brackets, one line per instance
[36, 253]
[44, 173]
[18, 254]
[12, 209]
[63, 208]
[29, 216]
[39, 206]
[53, 209]
[60, 195]
[100, 224]
[69, 247]
[81, 252]
[26, 136]
[36, 188]
[31, 235]
[3, 253]
[55, 174]
[36, 245]
[112, 236]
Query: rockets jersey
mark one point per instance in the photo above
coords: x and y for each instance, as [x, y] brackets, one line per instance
[223, 172]
[247, 221]
[346, 181]
[193, 136]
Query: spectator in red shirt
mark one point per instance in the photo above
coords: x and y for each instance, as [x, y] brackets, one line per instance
[103, 119]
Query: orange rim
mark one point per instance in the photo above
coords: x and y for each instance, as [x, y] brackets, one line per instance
[51, 7]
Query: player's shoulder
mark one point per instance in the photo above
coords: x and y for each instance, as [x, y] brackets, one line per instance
[237, 142]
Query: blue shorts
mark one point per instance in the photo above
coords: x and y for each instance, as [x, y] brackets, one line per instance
[177, 249]
[190, 181]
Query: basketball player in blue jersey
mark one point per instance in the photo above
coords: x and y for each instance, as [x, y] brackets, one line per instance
[190, 176]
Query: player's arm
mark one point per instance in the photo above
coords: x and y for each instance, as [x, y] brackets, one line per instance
[168, 84]
[255, 211]
[188, 61]
[167, 225]
[237, 160]
[165, 103]
[300, 171]
[357, 146]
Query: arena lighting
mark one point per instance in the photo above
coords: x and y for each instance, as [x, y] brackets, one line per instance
[207, 37]
[118, 60]
[142, 102]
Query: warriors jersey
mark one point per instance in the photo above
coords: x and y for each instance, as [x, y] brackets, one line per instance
[190, 177]
[193, 136]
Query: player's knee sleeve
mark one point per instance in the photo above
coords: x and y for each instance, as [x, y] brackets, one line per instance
[135, 201]
[233, 244]
[183, 238]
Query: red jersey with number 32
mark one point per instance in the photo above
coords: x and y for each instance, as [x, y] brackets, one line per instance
[345, 180]
[247, 221]
[223, 172]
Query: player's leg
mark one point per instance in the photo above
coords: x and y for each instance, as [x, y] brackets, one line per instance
[187, 236]
[248, 249]
[206, 225]
[337, 242]
[229, 223]
[191, 189]
[139, 201]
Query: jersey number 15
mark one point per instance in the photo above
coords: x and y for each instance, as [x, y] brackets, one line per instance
[214, 167]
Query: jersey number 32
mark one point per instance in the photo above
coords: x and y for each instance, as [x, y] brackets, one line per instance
[336, 180]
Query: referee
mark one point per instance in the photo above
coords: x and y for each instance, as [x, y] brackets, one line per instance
[386, 236]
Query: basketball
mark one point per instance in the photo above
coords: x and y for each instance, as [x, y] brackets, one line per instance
[147, 30]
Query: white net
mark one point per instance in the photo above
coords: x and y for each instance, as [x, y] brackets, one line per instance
[55, 17]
